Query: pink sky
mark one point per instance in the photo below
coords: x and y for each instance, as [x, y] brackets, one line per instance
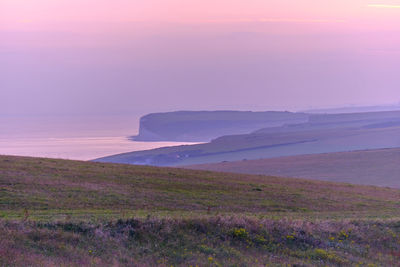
[116, 55]
[42, 14]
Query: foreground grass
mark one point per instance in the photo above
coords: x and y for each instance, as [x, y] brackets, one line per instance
[70, 213]
[203, 241]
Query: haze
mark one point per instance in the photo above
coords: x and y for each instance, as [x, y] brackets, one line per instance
[123, 57]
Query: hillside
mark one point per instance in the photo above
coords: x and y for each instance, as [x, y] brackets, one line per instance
[203, 126]
[48, 187]
[72, 213]
[323, 133]
[369, 167]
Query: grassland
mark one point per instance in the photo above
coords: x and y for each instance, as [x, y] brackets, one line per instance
[70, 213]
[369, 167]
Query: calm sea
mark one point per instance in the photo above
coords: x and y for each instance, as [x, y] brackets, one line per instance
[81, 138]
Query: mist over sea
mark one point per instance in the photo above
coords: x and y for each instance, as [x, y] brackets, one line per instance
[71, 137]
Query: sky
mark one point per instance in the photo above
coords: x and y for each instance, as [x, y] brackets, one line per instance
[80, 57]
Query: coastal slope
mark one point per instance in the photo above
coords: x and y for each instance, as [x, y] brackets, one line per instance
[370, 167]
[203, 126]
[322, 133]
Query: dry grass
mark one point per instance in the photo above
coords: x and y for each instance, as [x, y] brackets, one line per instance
[369, 167]
[54, 187]
[202, 241]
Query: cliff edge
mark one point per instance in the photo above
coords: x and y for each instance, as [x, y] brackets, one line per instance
[203, 126]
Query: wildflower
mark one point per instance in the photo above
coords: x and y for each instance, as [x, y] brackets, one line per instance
[240, 233]
[210, 259]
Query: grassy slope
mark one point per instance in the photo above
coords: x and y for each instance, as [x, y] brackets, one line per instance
[47, 186]
[58, 212]
[369, 167]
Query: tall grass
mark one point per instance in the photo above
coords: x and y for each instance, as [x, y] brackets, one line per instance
[202, 241]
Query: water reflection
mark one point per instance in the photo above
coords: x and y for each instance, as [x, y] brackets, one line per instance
[71, 137]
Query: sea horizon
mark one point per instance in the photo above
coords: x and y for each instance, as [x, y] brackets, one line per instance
[72, 137]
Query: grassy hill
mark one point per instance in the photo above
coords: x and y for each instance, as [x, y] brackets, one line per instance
[72, 213]
[369, 167]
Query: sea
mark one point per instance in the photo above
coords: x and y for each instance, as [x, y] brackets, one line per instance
[72, 137]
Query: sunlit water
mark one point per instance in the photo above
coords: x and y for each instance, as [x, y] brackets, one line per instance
[71, 137]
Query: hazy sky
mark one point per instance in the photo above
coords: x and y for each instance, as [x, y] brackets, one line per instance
[116, 56]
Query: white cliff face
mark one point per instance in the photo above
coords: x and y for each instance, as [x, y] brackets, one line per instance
[147, 135]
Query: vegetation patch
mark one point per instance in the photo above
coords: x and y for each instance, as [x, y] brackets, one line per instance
[71, 213]
[219, 241]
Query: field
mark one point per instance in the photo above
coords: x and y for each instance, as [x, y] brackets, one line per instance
[72, 213]
[369, 167]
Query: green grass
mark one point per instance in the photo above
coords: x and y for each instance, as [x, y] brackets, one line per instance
[59, 212]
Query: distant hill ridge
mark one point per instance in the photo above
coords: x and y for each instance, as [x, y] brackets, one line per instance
[203, 126]
[353, 109]
[321, 133]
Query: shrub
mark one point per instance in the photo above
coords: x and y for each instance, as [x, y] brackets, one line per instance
[240, 233]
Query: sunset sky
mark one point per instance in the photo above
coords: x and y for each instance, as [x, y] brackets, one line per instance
[122, 56]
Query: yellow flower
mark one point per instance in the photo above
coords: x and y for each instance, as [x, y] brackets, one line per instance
[210, 258]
